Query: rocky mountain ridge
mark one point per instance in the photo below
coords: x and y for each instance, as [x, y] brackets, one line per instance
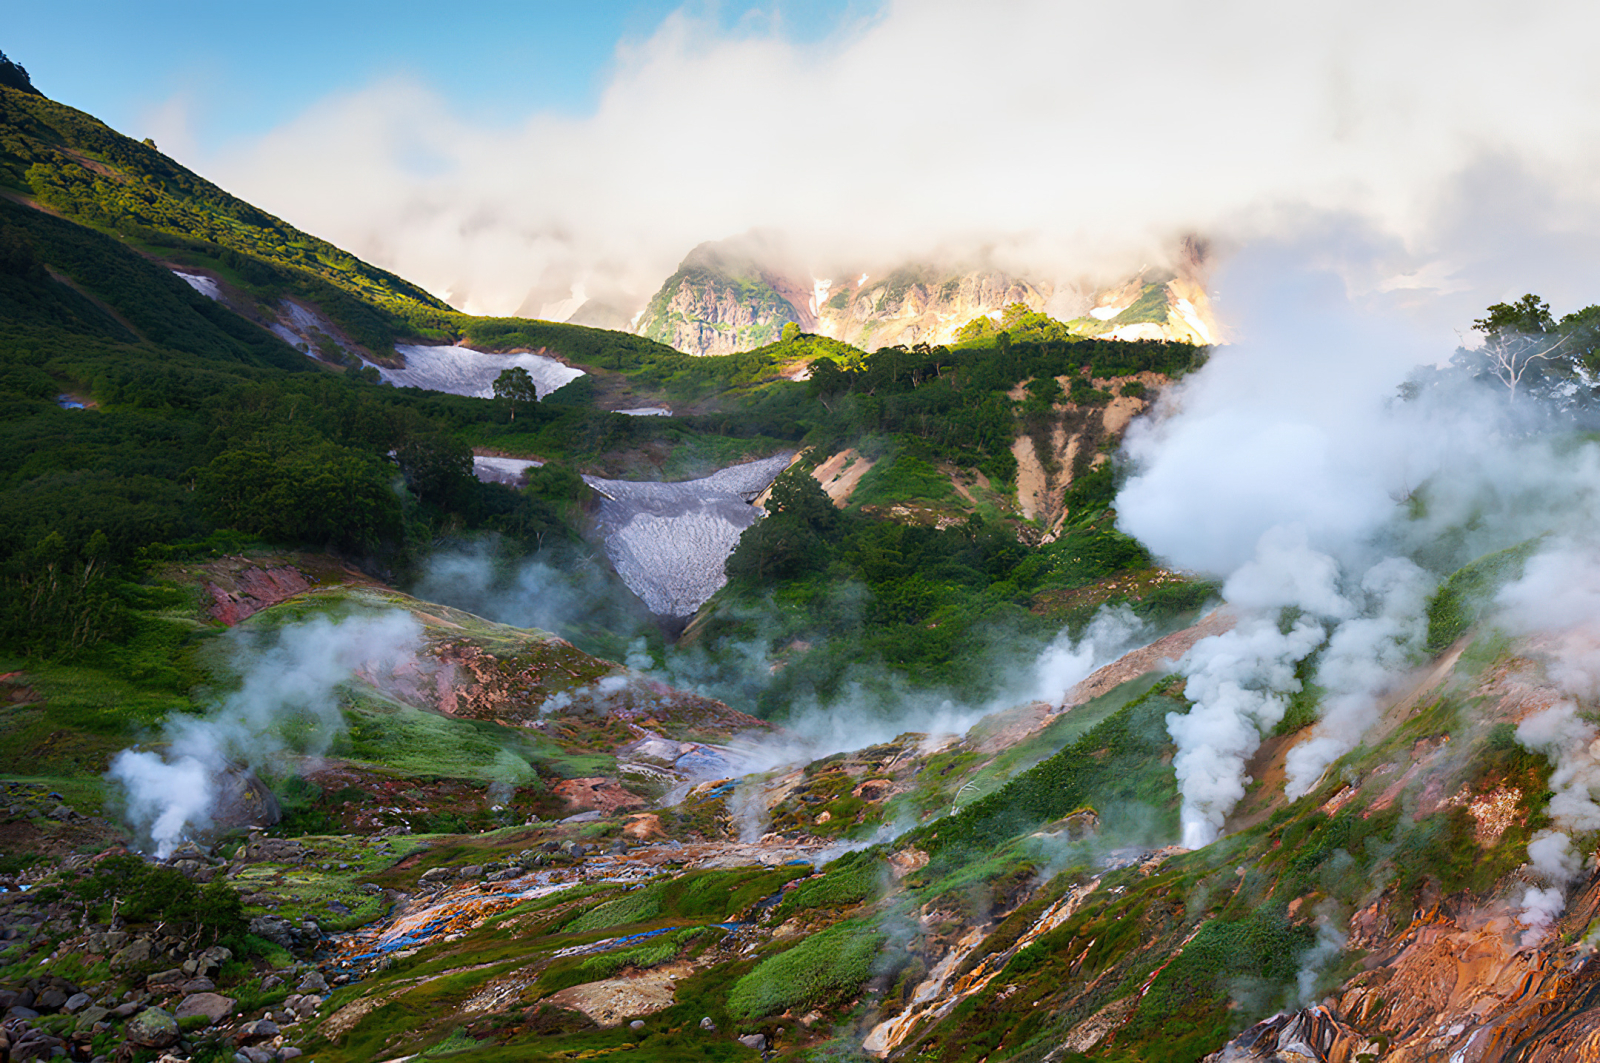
[738, 295]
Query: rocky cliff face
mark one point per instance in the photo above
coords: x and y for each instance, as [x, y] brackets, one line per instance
[718, 302]
[916, 304]
[737, 295]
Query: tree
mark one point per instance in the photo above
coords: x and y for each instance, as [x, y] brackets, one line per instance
[791, 332]
[793, 538]
[515, 385]
[13, 75]
[1521, 342]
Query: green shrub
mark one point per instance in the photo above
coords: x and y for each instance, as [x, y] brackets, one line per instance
[815, 972]
[1465, 596]
[638, 906]
[840, 887]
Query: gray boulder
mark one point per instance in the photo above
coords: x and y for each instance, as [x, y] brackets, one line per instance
[139, 952]
[274, 928]
[259, 1030]
[152, 1028]
[165, 981]
[90, 1016]
[214, 1006]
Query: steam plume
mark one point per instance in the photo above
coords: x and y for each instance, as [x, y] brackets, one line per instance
[1286, 463]
[1237, 681]
[286, 701]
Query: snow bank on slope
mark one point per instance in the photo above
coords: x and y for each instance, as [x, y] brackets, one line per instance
[464, 371]
[668, 541]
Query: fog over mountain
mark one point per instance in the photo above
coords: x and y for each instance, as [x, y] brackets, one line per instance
[1062, 139]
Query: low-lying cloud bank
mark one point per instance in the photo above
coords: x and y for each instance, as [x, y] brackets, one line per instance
[1064, 140]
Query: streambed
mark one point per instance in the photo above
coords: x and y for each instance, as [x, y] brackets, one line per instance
[458, 908]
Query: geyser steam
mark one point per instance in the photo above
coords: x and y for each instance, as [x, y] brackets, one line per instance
[1290, 462]
[285, 702]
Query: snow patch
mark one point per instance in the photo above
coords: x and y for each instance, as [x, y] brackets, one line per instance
[819, 295]
[206, 286]
[464, 371]
[495, 470]
[669, 541]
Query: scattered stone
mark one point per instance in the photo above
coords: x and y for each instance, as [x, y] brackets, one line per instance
[259, 1030]
[470, 871]
[51, 999]
[197, 985]
[122, 1011]
[707, 1024]
[75, 1003]
[214, 1006]
[209, 962]
[165, 980]
[289, 1052]
[141, 951]
[91, 1016]
[636, 1024]
[152, 1028]
[274, 928]
[757, 1041]
[34, 1043]
[313, 982]
[17, 1011]
[435, 876]
[255, 1055]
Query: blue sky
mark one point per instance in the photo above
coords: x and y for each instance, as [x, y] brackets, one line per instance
[238, 70]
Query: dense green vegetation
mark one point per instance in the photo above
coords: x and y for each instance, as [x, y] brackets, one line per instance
[955, 608]
[201, 422]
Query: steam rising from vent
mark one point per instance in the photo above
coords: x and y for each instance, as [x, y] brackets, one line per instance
[1558, 599]
[1237, 681]
[1329, 944]
[1288, 462]
[1066, 662]
[1362, 656]
[286, 702]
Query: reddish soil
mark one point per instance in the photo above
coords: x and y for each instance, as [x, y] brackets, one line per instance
[597, 793]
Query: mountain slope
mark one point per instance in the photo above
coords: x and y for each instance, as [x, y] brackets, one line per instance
[80, 167]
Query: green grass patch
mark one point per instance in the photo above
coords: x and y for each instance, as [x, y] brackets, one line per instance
[821, 969]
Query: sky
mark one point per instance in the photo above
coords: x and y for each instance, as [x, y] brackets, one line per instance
[230, 72]
[529, 157]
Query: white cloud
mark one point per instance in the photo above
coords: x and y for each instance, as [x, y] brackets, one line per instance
[1066, 136]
